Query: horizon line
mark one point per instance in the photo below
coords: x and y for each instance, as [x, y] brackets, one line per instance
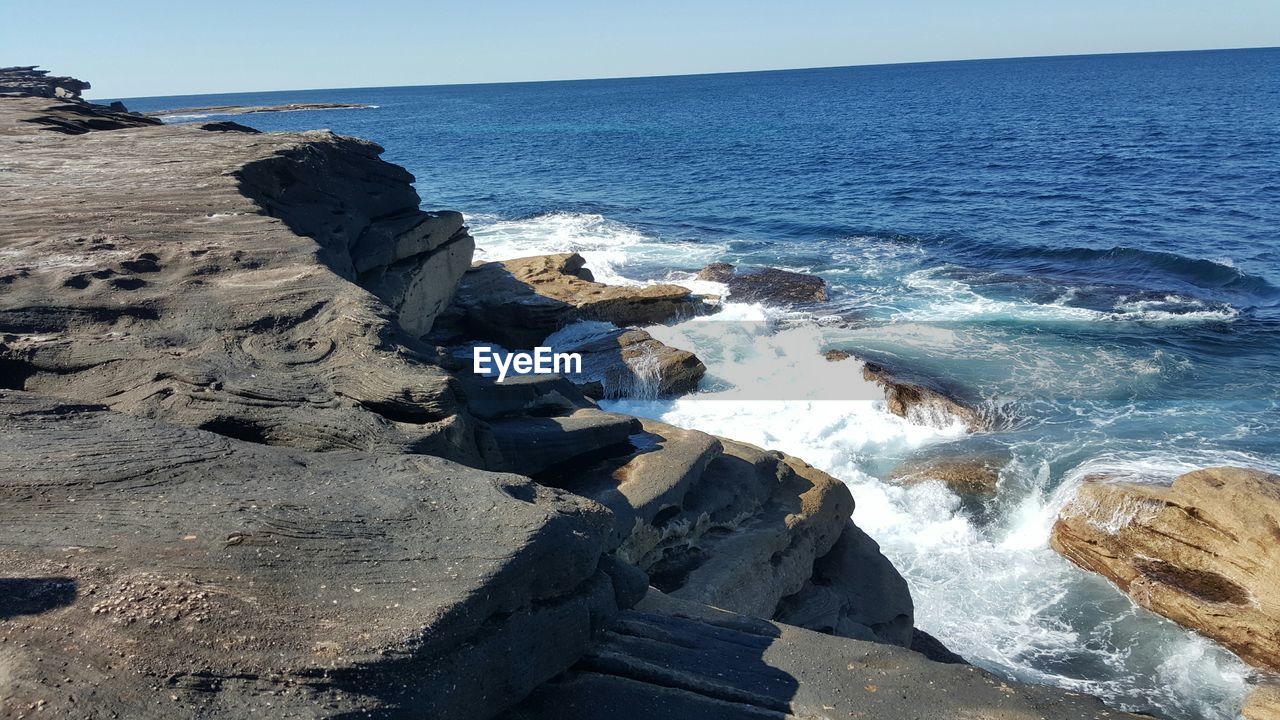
[695, 74]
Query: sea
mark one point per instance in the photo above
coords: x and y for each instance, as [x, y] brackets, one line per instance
[1089, 246]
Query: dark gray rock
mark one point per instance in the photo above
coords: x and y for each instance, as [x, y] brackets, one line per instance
[769, 285]
[674, 659]
[27, 80]
[153, 570]
[853, 591]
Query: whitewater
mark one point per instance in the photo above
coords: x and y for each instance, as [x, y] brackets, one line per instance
[993, 592]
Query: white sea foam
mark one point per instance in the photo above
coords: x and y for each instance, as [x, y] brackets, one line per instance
[606, 245]
[957, 301]
[995, 593]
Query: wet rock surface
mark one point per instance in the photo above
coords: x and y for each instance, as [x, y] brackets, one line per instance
[769, 285]
[631, 363]
[924, 401]
[1202, 552]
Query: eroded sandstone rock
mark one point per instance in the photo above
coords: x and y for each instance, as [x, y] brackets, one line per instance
[518, 303]
[728, 524]
[1204, 552]
[214, 278]
[1263, 703]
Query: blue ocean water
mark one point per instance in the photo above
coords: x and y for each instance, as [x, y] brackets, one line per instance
[1090, 244]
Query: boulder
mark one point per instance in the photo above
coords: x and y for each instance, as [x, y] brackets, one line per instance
[1204, 552]
[725, 523]
[924, 401]
[769, 285]
[517, 303]
[855, 592]
[154, 571]
[669, 658]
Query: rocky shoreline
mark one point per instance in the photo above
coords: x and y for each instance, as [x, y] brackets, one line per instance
[247, 471]
[254, 109]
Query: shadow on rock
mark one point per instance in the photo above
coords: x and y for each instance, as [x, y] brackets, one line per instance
[32, 596]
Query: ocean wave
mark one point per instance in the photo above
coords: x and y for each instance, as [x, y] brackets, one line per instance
[946, 299]
[609, 246]
[1118, 265]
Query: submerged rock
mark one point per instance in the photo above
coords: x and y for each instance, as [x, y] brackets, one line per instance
[766, 284]
[973, 478]
[1204, 552]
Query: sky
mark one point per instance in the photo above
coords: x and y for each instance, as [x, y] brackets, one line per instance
[148, 47]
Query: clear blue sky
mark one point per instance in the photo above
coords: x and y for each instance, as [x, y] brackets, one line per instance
[149, 47]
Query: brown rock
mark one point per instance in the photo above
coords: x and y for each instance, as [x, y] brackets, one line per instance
[966, 476]
[631, 363]
[518, 303]
[836, 355]
[1263, 703]
[560, 277]
[716, 272]
[1204, 552]
[923, 401]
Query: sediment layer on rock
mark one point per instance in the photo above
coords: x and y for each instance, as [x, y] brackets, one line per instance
[213, 278]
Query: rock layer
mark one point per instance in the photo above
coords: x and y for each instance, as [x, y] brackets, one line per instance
[212, 278]
[727, 524]
[1204, 552]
